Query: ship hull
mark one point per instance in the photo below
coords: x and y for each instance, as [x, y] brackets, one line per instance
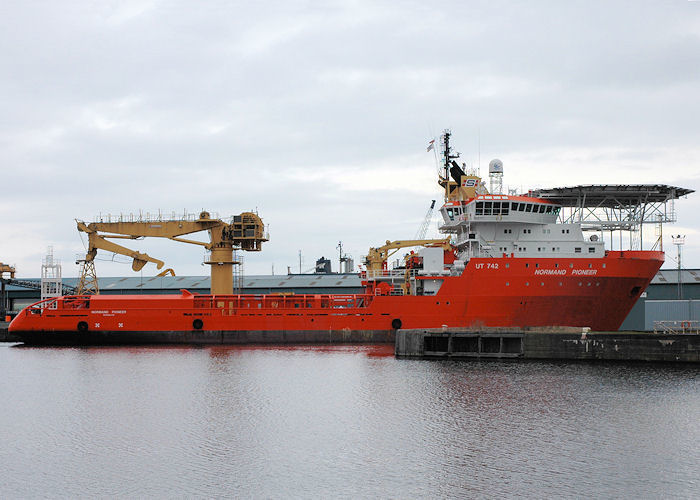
[491, 292]
[206, 337]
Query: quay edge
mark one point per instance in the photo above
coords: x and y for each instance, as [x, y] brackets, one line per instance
[4, 335]
[549, 343]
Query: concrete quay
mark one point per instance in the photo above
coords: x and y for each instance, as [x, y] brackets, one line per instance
[483, 343]
[4, 336]
[547, 343]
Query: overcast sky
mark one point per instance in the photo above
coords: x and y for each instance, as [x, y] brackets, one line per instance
[317, 114]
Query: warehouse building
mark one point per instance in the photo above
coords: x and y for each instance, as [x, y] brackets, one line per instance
[665, 300]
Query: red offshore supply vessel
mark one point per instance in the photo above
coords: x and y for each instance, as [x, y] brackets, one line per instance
[511, 260]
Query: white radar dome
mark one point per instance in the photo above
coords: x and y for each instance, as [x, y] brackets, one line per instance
[495, 166]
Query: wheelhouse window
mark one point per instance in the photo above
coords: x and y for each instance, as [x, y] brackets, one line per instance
[492, 208]
[528, 207]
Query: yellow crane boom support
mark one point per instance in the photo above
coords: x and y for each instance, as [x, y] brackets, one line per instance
[246, 231]
[98, 242]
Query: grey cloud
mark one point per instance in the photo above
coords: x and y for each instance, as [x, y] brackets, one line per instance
[174, 105]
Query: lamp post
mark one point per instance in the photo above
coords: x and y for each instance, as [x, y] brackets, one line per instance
[679, 241]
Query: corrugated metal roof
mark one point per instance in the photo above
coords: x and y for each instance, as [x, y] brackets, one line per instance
[670, 277]
[203, 282]
[663, 277]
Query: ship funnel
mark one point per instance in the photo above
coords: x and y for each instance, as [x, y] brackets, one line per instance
[456, 172]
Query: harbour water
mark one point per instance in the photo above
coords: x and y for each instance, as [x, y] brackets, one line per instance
[342, 421]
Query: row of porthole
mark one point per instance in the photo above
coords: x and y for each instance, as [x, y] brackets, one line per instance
[580, 283]
[556, 265]
[197, 324]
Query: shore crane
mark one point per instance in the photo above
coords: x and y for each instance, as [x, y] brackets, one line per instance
[423, 229]
[6, 268]
[245, 232]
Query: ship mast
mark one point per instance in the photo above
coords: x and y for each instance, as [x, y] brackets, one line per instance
[447, 158]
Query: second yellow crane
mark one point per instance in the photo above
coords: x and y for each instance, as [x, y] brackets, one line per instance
[377, 257]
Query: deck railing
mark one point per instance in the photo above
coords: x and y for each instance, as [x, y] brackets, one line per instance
[387, 273]
[676, 327]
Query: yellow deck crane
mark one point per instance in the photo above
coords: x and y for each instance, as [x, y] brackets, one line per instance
[377, 257]
[6, 268]
[245, 231]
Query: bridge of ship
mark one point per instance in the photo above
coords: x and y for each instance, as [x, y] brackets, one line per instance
[488, 208]
[610, 207]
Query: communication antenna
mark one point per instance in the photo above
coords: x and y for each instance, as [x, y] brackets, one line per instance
[679, 241]
[447, 156]
[341, 257]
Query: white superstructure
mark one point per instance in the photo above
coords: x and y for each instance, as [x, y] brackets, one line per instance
[514, 226]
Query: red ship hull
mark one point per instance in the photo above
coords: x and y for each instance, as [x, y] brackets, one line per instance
[494, 292]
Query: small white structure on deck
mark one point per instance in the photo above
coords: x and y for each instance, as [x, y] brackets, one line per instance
[51, 283]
